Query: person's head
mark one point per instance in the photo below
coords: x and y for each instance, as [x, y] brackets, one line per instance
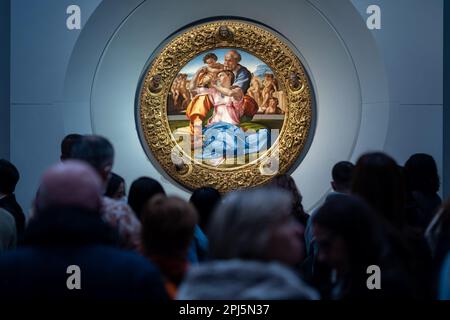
[156, 79]
[378, 180]
[255, 81]
[268, 76]
[421, 174]
[225, 78]
[256, 225]
[205, 201]
[210, 58]
[346, 231]
[232, 59]
[293, 77]
[286, 182]
[69, 184]
[98, 152]
[342, 174]
[273, 103]
[224, 32]
[168, 225]
[67, 145]
[141, 191]
[116, 187]
[66, 209]
[9, 177]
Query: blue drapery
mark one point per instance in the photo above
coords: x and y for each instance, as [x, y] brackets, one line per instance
[223, 139]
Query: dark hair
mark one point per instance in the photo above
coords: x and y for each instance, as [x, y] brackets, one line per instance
[205, 201]
[421, 174]
[9, 176]
[168, 225]
[209, 56]
[287, 183]
[342, 174]
[355, 222]
[141, 191]
[95, 150]
[68, 143]
[113, 184]
[378, 180]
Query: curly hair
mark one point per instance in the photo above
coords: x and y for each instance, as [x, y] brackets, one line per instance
[210, 56]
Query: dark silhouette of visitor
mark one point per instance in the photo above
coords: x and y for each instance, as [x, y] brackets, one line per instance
[422, 186]
[116, 188]
[67, 145]
[67, 229]
[286, 182]
[349, 238]
[342, 174]
[9, 177]
[205, 201]
[167, 231]
[141, 191]
[99, 153]
[379, 181]
[319, 274]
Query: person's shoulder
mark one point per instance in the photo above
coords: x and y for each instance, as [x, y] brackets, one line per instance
[243, 69]
[132, 258]
[6, 218]
[10, 203]
[21, 256]
[8, 230]
[140, 271]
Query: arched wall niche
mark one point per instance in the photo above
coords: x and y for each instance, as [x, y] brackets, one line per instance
[337, 49]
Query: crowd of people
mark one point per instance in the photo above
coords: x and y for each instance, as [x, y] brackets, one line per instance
[141, 243]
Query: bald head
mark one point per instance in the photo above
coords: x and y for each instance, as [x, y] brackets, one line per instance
[72, 184]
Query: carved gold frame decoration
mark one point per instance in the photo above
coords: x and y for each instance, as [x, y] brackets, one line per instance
[152, 116]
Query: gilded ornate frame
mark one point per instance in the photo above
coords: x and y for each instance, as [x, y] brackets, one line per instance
[152, 104]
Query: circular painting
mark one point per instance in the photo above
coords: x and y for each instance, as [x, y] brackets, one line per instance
[225, 104]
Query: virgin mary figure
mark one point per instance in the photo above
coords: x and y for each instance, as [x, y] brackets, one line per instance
[218, 111]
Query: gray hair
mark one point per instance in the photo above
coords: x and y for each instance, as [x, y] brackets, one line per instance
[241, 225]
[95, 150]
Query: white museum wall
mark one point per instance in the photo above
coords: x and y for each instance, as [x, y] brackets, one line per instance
[411, 44]
[376, 90]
